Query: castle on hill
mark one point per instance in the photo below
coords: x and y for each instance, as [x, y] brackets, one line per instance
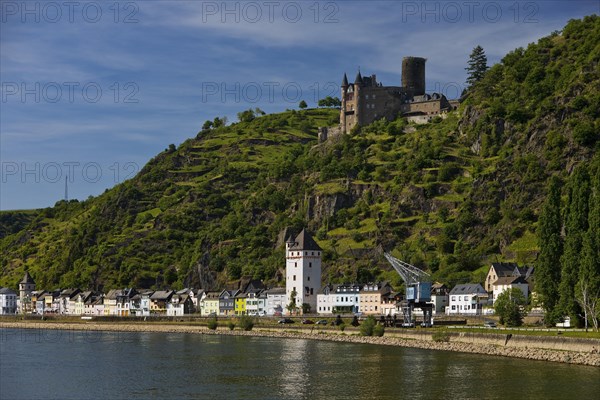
[367, 100]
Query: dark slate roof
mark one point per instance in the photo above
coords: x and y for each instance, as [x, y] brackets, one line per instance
[468, 288]
[6, 290]
[345, 80]
[254, 285]
[508, 280]
[358, 79]
[27, 279]
[304, 242]
[504, 269]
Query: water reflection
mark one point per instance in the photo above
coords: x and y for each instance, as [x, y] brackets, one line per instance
[294, 374]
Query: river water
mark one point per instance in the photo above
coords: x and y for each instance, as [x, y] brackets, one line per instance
[47, 364]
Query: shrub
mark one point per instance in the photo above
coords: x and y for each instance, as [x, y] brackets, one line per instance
[246, 323]
[366, 329]
[440, 336]
[212, 323]
[231, 325]
[378, 330]
[342, 326]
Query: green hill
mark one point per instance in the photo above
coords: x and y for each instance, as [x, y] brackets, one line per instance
[450, 196]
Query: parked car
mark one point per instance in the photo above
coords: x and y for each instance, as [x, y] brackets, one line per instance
[307, 321]
[286, 321]
[322, 322]
[489, 324]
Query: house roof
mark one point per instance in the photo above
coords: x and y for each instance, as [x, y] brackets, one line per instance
[212, 295]
[345, 80]
[504, 268]
[468, 288]
[6, 290]
[276, 290]
[254, 285]
[229, 293]
[112, 294]
[509, 280]
[162, 295]
[304, 242]
[27, 278]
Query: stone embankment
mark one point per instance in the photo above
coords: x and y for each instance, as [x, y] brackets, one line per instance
[531, 347]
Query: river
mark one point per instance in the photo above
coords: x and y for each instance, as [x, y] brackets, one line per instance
[47, 364]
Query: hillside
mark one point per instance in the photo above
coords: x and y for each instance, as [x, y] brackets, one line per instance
[449, 196]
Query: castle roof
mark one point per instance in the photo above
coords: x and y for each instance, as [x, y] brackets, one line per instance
[345, 80]
[304, 242]
[358, 80]
[27, 278]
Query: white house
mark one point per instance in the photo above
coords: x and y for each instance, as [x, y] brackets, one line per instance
[303, 270]
[509, 282]
[145, 303]
[8, 301]
[346, 298]
[467, 299]
[256, 301]
[325, 300]
[276, 301]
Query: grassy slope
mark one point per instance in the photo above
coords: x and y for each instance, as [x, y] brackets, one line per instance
[450, 196]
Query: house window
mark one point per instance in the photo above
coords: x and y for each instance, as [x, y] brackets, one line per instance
[311, 291]
[309, 265]
[295, 264]
[294, 277]
[373, 97]
[308, 278]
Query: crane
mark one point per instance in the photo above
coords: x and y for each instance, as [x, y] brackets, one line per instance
[418, 291]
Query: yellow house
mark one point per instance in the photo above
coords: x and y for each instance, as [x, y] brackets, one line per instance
[240, 304]
[210, 304]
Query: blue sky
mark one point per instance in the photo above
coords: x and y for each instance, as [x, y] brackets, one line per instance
[93, 90]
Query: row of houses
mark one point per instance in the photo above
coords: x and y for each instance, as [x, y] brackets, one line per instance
[255, 299]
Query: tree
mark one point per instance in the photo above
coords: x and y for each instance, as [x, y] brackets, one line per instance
[551, 247]
[576, 225]
[246, 116]
[477, 65]
[207, 125]
[587, 290]
[305, 308]
[291, 307]
[302, 104]
[218, 122]
[510, 306]
[330, 102]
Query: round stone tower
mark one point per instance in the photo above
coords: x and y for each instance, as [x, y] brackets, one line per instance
[413, 75]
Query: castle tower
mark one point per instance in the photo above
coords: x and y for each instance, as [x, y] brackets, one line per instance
[343, 107]
[358, 82]
[413, 75]
[302, 270]
[26, 286]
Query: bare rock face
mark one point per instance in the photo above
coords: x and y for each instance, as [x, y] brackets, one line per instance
[321, 206]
